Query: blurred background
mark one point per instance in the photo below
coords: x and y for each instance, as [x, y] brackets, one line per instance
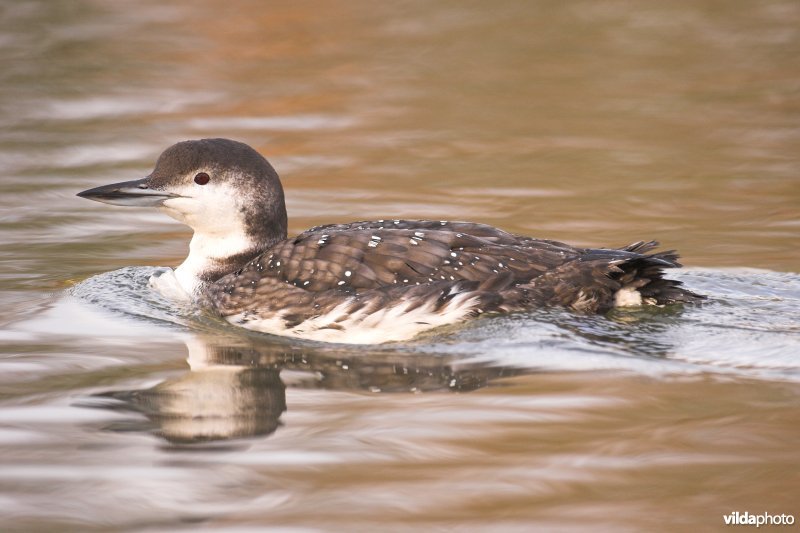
[593, 122]
[597, 123]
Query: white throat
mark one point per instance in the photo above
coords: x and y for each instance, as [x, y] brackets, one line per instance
[207, 253]
[214, 212]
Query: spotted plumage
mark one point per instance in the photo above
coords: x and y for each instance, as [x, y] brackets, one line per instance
[325, 281]
[371, 281]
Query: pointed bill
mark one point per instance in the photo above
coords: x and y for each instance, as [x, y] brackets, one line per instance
[129, 193]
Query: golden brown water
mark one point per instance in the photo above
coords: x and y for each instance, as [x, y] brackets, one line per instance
[597, 123]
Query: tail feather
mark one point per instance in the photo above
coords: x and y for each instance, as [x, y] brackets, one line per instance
[641, 247]
[591, 282]
[646, 275]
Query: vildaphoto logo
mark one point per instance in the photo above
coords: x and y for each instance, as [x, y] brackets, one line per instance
[764, 519]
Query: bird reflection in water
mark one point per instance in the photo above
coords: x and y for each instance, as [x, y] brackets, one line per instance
[236, 388]
[236, 385]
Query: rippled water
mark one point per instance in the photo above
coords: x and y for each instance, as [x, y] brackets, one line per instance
[597, 123]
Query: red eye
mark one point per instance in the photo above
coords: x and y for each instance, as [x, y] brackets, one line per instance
[202, 178]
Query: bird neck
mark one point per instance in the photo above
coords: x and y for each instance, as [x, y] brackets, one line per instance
[212, 256]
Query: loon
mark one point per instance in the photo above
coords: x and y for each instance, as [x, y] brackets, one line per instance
[365, 282]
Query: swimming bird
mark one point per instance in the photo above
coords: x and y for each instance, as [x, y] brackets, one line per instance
[369, 281]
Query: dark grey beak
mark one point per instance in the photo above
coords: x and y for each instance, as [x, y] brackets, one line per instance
[133, 193]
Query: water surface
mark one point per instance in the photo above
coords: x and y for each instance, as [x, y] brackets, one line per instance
[596, 123]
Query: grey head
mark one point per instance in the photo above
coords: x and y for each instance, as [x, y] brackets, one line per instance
[224, 190]
[215, 186]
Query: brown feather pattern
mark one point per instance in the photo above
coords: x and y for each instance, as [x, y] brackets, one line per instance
[372, 265]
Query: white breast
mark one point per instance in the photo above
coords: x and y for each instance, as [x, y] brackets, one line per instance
[389, 324]
[169, 286]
